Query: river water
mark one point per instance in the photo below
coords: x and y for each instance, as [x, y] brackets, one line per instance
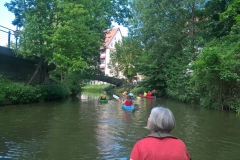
[82, 128]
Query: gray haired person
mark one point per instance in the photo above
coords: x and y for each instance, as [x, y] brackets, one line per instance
[160, 144]
[161, 120]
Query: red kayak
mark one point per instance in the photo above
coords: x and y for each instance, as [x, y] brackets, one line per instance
[148, 97]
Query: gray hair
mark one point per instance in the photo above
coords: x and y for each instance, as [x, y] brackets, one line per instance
[161, 119]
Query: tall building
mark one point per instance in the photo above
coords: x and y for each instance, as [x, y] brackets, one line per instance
[112, 36]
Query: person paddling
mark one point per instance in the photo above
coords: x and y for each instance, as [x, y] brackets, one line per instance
[103, 96]
[131, 95]
[127, 101]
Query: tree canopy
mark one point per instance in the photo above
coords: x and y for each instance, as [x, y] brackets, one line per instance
[68, 33]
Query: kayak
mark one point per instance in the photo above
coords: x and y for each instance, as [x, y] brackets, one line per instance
[128, 108]
[103, 101]
[148, 97]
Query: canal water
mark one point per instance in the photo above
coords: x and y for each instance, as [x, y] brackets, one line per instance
[82, 128]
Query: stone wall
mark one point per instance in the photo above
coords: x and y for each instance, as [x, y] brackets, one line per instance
[17, 68]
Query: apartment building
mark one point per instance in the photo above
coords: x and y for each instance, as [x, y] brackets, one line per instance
[112, 36]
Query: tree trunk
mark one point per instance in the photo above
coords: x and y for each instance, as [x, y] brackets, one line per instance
[42, 74]
[66, 77]
[36, 71]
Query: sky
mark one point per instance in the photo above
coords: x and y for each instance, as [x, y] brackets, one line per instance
[7, 17]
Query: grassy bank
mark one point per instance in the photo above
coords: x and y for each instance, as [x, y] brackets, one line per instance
[98, 88]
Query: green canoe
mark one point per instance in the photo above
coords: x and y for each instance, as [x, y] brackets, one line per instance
[103, 101]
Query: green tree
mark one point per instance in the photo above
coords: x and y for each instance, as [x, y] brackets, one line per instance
[68, 33]
[216, 73]
[166, 29]
[211, 25]
[124, 58]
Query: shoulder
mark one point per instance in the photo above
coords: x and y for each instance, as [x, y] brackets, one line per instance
[170, 140]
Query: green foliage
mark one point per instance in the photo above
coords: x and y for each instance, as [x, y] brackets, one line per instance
[125, 57]
[139, 90]
[3, 89]
[67, 33]
[18, 93]
[216, 74]
[98, 88]
[232, 12]
[53, 91]
[180, 88]
[211, 25]
[168, 40]
[13, 93]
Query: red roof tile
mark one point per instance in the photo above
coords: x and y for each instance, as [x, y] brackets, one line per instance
[110, 34]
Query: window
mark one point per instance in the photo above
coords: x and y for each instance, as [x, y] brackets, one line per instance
[102, 61]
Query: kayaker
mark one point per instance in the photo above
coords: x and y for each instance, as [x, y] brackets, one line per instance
[160, 144]
[125, 93]
[149, 94]
[145, 94]
[131, 95]
[103, 96]
[127, 101]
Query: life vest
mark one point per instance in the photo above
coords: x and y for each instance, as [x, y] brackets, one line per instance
[149, 94]
[128, 103]
[161, 135]
[103, 96]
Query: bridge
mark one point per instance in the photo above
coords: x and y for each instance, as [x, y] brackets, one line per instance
[17, 68]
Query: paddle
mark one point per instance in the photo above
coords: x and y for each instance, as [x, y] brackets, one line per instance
[116, 97]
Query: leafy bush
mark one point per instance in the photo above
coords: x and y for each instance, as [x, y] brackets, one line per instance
[3, 87]
[216, 74]
[18, 93]
[53, 91]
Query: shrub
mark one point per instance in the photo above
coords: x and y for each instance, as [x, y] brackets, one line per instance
[53, 91]
[18, 93]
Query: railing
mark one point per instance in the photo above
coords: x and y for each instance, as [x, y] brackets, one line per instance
[8, 37]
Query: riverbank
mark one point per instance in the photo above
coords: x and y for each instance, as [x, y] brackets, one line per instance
[18, 93]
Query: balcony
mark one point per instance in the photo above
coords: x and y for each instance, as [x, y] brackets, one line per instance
[102, 66]
[103, 55]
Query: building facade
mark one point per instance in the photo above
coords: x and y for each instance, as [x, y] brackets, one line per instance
[112, 37]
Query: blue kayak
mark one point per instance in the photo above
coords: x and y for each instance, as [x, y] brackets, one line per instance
[128, 108]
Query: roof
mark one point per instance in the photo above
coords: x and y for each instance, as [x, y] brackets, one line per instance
[110, 34]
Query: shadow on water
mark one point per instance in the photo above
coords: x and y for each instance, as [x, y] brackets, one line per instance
[83, 128]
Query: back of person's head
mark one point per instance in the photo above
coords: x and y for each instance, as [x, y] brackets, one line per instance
[161, 119]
